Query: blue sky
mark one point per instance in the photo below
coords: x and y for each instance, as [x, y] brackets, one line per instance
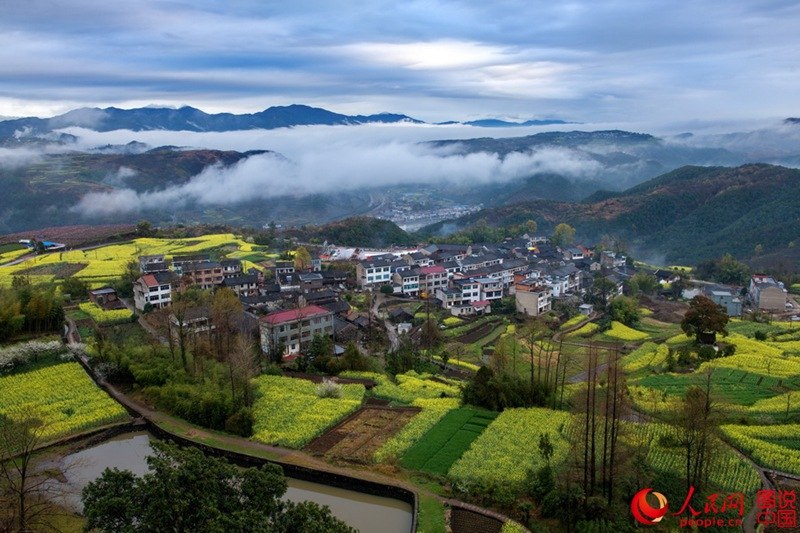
[617, 61]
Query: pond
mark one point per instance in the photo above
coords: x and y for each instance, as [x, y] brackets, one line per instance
[365, 512]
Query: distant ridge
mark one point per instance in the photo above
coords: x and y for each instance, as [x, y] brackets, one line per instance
[192, 119]
[189, 119]
[497, 123]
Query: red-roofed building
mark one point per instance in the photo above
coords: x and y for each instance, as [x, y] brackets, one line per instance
[294, 329]
[432, 278]
[154, 290]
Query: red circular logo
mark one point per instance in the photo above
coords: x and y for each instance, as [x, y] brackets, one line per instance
[645, 513]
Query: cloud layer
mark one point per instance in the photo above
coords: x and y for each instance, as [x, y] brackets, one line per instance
[335, 168]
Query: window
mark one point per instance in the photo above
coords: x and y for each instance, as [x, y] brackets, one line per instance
[152, 289]
[165, 287]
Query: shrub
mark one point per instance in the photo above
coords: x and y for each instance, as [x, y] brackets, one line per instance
[329, 389]
[241, 422]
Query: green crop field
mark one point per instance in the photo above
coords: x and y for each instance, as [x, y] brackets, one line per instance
[446, 442]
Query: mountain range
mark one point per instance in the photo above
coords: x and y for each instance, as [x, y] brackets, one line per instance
[191, 119]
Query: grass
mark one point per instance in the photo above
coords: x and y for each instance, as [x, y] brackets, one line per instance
[447, 441]
[431, 515]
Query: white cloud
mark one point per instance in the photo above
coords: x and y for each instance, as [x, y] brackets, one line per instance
[334, 167]
[430, 55]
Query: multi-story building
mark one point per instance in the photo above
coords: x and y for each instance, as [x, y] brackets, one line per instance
[152, 263]
[532, 298]
[294, 329]
[432, 278]
[242, 285]
[491, 289]
[767, 294]
[418, 259]
[153, 289]
[377, 270]
[284, 267]
[231, 268]
[206, 274]
[408, 281]
[180, 261]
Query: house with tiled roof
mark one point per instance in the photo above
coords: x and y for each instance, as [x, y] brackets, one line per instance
[293, 329]
[153, 290]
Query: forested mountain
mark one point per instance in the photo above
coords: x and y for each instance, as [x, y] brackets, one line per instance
[689, 214]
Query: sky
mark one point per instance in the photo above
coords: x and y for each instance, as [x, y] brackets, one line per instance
[628, 61]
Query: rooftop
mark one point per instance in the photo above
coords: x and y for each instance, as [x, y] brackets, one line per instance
[292, 315]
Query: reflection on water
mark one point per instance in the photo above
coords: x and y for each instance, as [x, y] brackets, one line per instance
[364, 512]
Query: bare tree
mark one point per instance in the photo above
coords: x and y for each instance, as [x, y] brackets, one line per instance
[28, 495]
[243, 364]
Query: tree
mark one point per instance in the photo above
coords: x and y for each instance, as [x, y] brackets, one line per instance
[601, 290]
[144, 228]
[530, 227]
[563, 235]
[124, 285]
[456, 350]
[625, 310]
[226, 312]
[27, 494]
[77, 288]
[243, 365]
[695, 426]
[704, 320]
[645, 282]
[302, 259]
[186, 491]
[11, 318]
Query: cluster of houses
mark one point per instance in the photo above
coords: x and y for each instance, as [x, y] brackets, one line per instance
[286, 311]
[763, 293]
[466, 278]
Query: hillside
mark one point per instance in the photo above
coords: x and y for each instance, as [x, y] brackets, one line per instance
[683, 216]
[356, 231]
[46, 190]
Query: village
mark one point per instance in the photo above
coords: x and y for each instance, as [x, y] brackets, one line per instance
[289, 302]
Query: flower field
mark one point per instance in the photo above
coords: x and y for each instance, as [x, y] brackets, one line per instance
[499, 459]
[585, 331]
[408, 388]
[729, 471]
[432, 411]
[62, 396]
[466, 365]
[289, 413]
[577, 319]
[447, 440]
[649, 356]
[622, 332]
[106, 263]
[103, 317]
[776, 447]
